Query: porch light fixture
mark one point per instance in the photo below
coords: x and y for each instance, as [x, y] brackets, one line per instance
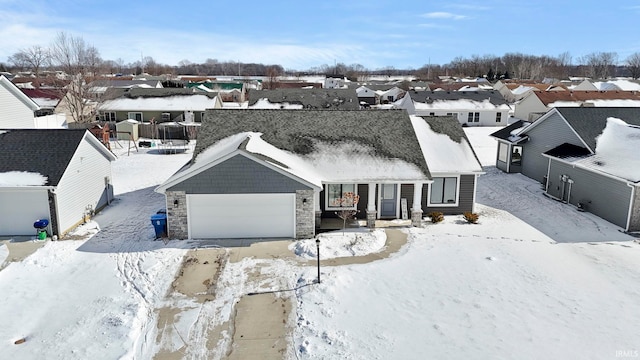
[175, 202]
[304, 201]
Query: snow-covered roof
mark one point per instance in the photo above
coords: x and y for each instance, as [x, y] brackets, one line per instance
[616, 151]
[459, 155]
[341, 145]
[460, 104]
[597, 103]
[194, 102]
[266, 104]
[22, 178]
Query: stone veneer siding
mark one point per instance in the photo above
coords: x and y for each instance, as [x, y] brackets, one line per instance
[305, 214]
[177, 226]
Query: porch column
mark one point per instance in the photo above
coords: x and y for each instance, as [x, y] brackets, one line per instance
[416, 209]
[371, 206]
[316, 207]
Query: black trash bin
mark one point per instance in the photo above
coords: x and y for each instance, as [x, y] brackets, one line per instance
[159, 222]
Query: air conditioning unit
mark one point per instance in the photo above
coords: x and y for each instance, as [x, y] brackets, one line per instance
[166, 117]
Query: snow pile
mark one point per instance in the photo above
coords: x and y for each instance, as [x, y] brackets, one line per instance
[341, 244]
[22, 178]
[617, 150]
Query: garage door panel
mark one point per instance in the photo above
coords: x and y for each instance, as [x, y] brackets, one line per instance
[20, 209]
[241, 215]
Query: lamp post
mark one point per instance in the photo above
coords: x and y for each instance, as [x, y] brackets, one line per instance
[318, 252]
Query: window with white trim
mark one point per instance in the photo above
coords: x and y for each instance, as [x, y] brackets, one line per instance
[498, 117]
[110, 116]
[137, 116]
[444, 191]
[336, 195]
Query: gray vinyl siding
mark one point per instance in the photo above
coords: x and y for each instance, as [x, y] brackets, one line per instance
[550, 133]
[465, 198]
[406, 192]
[82, 186]
[239, 175]
[605, 197]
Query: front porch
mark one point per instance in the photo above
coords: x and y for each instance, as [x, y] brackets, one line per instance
[332, 224]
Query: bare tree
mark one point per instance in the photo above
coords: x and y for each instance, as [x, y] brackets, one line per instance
[34, 57]
[633, 64]
[81, 62]
[599, 65]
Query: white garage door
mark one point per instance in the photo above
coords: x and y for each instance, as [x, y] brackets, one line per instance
[241, 216]
[19, 209]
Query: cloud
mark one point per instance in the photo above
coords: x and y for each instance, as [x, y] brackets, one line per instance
[443, 15]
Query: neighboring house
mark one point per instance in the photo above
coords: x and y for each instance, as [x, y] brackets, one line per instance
[389, 95]
[160, 105]
[279, 173]
[577, 126]
[47, 100]
[536, 104]
[310, 99]
[17, 110]
[366, 96]
[59, 175]
[334, 82]
[470, 108]
[513, 92]
[605, 182]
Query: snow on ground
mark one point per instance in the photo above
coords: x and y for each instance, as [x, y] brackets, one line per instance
[533, 279]
[341, 244]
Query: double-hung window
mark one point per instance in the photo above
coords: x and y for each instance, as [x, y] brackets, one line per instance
[444, 191]
[338, 196]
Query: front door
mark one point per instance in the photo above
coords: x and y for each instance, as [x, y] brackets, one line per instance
[388, 200]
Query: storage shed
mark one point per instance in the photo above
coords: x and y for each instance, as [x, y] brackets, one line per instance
[126, 127]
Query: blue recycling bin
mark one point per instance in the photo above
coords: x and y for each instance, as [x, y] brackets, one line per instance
[159, 222]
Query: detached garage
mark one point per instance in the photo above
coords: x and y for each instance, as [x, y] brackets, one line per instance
[229, 193]
[55, 174]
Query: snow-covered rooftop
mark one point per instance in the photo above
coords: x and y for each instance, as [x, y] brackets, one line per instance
[169, 103]
[460, 104]
[459, 156]
[617, 151]
[22, 178]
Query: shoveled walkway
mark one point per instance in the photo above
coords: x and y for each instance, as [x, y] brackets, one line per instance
[261, 328]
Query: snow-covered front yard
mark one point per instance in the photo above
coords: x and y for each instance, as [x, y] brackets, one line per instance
[535, 279]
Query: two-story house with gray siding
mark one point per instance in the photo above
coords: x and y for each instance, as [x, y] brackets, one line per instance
[279, 173]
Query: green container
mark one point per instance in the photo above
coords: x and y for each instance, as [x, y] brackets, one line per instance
[42, 234]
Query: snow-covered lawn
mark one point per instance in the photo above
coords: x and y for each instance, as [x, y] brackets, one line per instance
[535, 279]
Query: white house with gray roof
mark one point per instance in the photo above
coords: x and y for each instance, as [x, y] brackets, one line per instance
[279, 173]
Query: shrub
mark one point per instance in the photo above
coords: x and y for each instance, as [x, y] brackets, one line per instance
[472, 218]
[436, 216]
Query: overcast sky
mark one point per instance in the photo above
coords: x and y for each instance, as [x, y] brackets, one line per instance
[304, 34]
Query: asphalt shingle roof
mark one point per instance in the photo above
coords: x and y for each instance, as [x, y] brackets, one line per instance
[589, 122]
[44, 151]
[390, 133]
[321, 99]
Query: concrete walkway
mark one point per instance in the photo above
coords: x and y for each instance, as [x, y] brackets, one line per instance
[260, 325]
